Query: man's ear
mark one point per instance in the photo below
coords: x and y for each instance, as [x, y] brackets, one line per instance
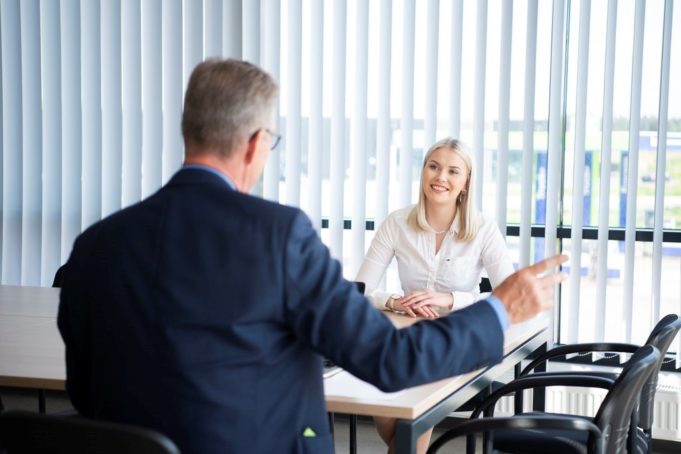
[252, 147]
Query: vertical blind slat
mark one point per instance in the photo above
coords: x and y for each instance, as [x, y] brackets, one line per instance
[555, 125]
[528, 132]
[131, 70]
[479, 105]
[407, 115]
[455, 69]
[72, 116]
[52, 140]
[315, 130]
[192, 39]
[632, 167]
[578, 171]
[555, 148]
[358, 139]
[92, 183]
[337, 169]
[384, 120]
[111, 162]
[383, 127]
[504, 108]
[31, 168]
[270, 37]
[172, 91]
[152, 96]
[293, 111]
[661, 158]
[606, 161]
[432, 42]
[212, 19]
[232, 29]
[251, 31]
[11, 141]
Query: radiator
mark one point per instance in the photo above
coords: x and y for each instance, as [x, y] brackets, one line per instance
[585, 401]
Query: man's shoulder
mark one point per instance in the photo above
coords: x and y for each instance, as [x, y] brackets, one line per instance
[270, 211]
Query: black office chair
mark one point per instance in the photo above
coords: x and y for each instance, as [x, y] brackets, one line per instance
[485, 285]
[556, 434]
[22, 432]
[660, 337]
[59, 277]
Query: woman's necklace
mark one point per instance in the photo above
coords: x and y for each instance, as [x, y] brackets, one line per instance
[441, 231]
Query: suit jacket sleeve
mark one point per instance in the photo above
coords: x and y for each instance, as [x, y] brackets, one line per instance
[337, 321]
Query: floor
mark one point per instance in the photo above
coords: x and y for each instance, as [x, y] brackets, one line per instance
[368, 441]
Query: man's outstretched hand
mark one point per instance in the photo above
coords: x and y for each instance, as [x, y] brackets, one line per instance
[529, 291]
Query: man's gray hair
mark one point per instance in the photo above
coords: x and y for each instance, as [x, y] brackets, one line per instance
[226, 102]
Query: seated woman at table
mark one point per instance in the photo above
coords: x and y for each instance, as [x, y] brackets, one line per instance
[441, 245]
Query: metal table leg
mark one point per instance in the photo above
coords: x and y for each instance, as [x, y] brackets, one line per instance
[353, 434]
[41, 401]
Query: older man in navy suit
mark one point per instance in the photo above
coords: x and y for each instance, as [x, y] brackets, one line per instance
[202, 311]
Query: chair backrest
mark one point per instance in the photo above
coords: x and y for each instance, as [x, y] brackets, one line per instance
[22, 432]
[614, 414]
[59, 277]
[485, 285]
[661, 338]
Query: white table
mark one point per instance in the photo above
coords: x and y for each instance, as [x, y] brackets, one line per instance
[32, 356]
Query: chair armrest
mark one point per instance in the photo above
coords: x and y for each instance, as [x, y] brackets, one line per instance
[579, 348]
[609, 376]
[540, 380]
[557, 422]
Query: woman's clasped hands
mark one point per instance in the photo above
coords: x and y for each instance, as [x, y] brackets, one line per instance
[424, 303]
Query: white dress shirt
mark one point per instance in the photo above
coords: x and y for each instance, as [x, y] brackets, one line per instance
[455, 268]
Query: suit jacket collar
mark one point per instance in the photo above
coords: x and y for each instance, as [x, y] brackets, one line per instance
[194, 175]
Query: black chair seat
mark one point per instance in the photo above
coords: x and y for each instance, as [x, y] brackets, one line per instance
[22, 432]
[541, 442]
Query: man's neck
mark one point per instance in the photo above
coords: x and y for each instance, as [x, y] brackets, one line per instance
[225, 166]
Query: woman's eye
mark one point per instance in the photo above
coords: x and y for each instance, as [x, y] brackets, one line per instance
[432, 167]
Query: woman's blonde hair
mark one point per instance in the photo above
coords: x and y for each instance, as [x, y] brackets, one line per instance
[465, 209]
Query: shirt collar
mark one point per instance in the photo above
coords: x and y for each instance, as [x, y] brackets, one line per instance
[224, 177]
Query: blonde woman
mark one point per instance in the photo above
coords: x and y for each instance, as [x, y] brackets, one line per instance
[441, 245]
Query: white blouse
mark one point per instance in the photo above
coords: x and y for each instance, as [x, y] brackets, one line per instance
[456, 268]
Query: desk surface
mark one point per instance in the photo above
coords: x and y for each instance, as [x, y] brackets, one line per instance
[32, 356]
[31, 349]
[347, 394]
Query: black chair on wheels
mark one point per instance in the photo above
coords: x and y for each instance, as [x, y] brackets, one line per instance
[661, 337]
[22, 432]
[544, 433]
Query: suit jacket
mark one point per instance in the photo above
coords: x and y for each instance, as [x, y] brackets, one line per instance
[202, 312]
